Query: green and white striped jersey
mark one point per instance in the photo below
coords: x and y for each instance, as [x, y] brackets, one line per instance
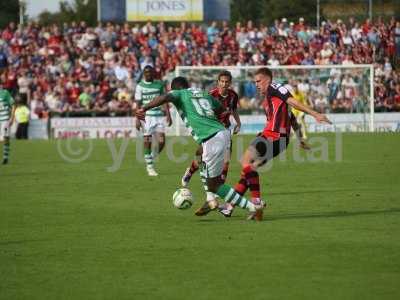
[146, 92]
[6, 103]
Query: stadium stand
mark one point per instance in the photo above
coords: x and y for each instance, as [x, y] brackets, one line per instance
[78, 70]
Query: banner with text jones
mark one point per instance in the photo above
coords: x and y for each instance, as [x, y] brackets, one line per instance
[164, 10]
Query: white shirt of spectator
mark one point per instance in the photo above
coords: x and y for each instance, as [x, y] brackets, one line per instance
[378, 71]
[121, 73]
[326, 52]
[252, 34]
[130, 83]
[335, 72]
[108, 55]
[53, 69]
[347, 40]
[34, 104]
[347, 62]
[348, 85]
[282, 30]
[85, 64]
[113, 105]
[135, 29]
[98, 30]
[320, 102]
[257, 58]
[356, 33]
[83, 42]
[304, 87]
[387, 67]
[319, 88]
[243, 39]
[23, 84]
[273, 62]
[147, 61]
[146, 29]
[261, 34]
[52, 101]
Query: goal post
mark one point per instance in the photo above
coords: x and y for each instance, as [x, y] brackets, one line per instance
[344, 92]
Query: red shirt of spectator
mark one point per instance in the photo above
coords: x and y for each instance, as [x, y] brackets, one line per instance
[73, 94]
[11, 81]
[7, 34]
[366, 27]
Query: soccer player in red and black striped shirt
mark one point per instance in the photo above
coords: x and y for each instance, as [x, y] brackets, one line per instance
[274, 139]
[229, 99]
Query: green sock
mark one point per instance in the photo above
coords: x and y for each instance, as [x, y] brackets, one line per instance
[231, 196]
[6, 150]
[210, 196]
[148, 157]
[204, 180]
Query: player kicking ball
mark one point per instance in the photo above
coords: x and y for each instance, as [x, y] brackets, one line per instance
[7, 111]
[275, 137]
[199, 112]
[229, 100]
[155, 119]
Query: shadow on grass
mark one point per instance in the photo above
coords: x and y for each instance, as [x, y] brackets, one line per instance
[332, 214]
[294, 216]
[356, 191]
[18, 242]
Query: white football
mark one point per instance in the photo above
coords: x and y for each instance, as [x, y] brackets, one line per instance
[182, 198]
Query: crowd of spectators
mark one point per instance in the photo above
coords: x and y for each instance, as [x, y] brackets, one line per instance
[75, 68]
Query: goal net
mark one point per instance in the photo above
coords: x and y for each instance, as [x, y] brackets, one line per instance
[345, 93]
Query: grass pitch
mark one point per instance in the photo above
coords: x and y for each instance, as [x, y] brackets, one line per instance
[80, 231]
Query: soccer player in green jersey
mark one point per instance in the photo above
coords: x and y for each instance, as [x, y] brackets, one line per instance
[154, 123]
[7, 110]
[200, 112]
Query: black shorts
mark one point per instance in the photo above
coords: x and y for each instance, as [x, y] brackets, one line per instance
[267, 149]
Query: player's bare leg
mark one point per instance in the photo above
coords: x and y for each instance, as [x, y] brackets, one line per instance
[249, 179]
[160, 138]
[250, 163]
[303, 128]
[225, 171]
[6, 150]
[226, 209]
[148, 156]
[194, 166]
[216, 185]
[300, 133]
[212, 197]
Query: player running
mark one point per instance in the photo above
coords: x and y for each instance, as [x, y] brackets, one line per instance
[7, 112]
[299, 115]
[275, 137]
[155, 119]
[229, 100]
[198, 110]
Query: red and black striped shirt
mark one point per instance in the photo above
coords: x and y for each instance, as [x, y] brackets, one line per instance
[277, 112]
[229, 102]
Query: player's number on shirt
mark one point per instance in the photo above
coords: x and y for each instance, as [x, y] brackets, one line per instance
[203, 107]
[280, 88]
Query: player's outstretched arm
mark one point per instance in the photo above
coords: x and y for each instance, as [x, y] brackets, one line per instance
[12, 118]
[321, 118]
[136, 105]
[237, 120]
[168, 114]
[156, 102]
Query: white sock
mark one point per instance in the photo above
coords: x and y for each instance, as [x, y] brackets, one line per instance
[210, 196]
